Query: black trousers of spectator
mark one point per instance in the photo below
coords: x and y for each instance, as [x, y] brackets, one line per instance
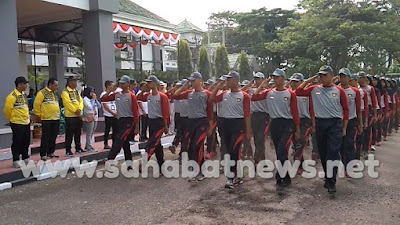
[232, 136]
[111, 123]
[329, 136]
[124, 134]
[300, 145]
[21, 140]
[260, 125]
[212, 140]
[348, 147]
[50, 130]
[223, 147]
[197, 136]
[156, 129]
[144, 125]
[281, 134]
[73, 130]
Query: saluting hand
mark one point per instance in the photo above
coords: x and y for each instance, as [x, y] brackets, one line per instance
[221, 84]
[311, 79]
[265, 83]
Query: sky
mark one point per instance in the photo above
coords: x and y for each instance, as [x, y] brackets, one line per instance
[197, 12]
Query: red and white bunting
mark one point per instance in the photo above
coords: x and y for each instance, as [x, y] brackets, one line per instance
[147, 34]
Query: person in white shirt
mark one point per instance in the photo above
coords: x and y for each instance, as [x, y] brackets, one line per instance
[91, 107]
[110, 115]
[143, 111]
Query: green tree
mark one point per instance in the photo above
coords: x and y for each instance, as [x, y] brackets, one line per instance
[244, 67]
[249, 31]
[358, 35]
[221, 61]
[184, 59]
[204, 63]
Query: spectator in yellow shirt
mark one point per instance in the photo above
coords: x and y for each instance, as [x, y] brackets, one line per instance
[16, 111]
[73, 105]
[47, 108]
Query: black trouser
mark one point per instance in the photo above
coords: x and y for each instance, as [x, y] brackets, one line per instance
[223, 147]
[197, 135]
[300, 145]
[212, 140]
[232, 136]
[367, 142]
[390, 120]
[185, 136]
[156, 129]
[348, 147]
[144, 124]
[73, 126]
[21, 141]
[396, 120]
[378, 130]
[360, 139]
[281, 135]
[374, 132]
[314, 143]
[111, 122]
[385, 124]
[50, 130]
[177, 120]
[259, 125]
[179, 130]
[124, 134]
[329, 137]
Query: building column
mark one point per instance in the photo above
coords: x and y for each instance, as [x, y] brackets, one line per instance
[57, 65]
[23, 60]
[9, 63]
[98, 45]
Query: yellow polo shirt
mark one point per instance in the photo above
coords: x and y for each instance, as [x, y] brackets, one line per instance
[16, 108]
[46, 105]
[72, 101]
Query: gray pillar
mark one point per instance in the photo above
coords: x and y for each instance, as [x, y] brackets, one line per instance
[98, 45]
[23, 60]
[9, 57]
[57, 65]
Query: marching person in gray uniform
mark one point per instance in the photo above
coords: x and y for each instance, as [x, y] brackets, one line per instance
[235, 106]
[285, 121]
[355, 125]
[200, 114]
[306, 112]
[332, 115]
[259, 119]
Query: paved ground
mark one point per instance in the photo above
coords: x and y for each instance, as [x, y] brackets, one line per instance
[175, 201]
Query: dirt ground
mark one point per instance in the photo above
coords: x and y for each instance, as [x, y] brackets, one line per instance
[176, 201]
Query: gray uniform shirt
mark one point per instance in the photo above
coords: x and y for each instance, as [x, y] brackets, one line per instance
[123, 101]
[154, 104]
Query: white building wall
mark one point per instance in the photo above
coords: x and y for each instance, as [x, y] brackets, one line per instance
[147, 55]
